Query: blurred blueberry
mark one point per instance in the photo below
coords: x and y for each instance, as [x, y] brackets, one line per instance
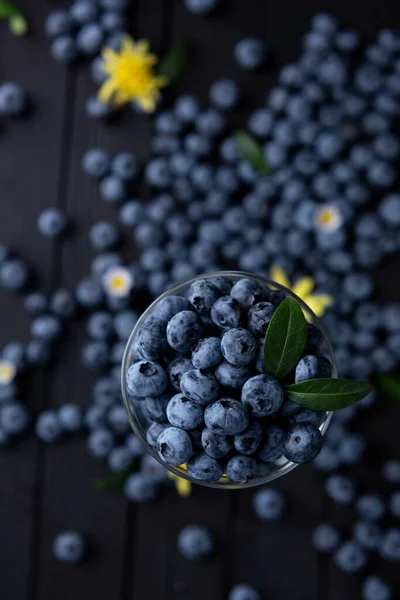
[96, 162]
[112, 189]
[125, 166]
[350, 557]
[374, 588]
[70, 417]
[139, 488]
[210, 123]
[391, 471]
[103, 235]
[36, 303]
[370, 507]
[64, 49]
[201, 7]
[390, 546]
[244, 591]
[187, 108]
[57, 23]
[100, 442]
[381, 173]
[69, 547]
[389, 209]
[260, 122]
[131, 213]
[14, 418]
[38, 352]
[95, 354]
[48, 427]
[340, 489]
[14, 274]
[63, 303]
[157, 173]
[113, 20]
[195, 542]
[249, 53]
[325, 538]
[198, 145]
[224, 94]
[89, 38]
[96, 109]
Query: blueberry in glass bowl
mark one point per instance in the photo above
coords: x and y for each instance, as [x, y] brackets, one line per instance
[209, 385]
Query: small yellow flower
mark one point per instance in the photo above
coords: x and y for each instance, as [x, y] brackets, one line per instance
[7, 372]
[131, 76]
[118, 281]
[182, 486]
[303, 288]
[328, 218]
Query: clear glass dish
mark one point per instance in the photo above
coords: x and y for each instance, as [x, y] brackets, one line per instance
[135, 409]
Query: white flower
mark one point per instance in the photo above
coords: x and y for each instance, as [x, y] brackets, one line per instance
[328, 218]
[7, 372]
[118, 281]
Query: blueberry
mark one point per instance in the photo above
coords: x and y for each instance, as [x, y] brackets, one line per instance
[112, 189]
[389, 209]
[184, 413]
[125, 166]
[215, 445]
[14, 275]
[269, 504]
[146, 378]
[178, 227]
[226, 416]
[374, 588]
[89, 293]
[226, 312]
[241, 469]
[36, 303]
[64, 49]
[370, 507]
[38, 352]
[210, 123]
[139, 488]
[307, 415]
[48, 428]
[272, 444]
[95, 355]
[69, 547]
[119, 459]
[174, 446]
[238, 347]
[325, 538]
[249, 53]
[249, 440]
[117, 420]
[152, 340]
[83, 11]
[153, 432]
[303, 442]
[187, 108]
[259, 317]
[263, 395]
[391, 471]
[113, 21]
[202, 294]
[231, 376]
[312, 367]
[100, 110]
[358, 286]
[204, 468]
[14, 418]
[184, 330]
[156, 408]
[350, 557]
[57, 23]
[340, 489]
[135, 446]
[247, 292]
[106, 391]
[195, 542]
[12, 99]
[89, 38]
[200, 386]
[70, 417]
[46, 327]
[389, 548]
[207, 353]
[352, 448]
[153, 469]
[224, 94]
[100, 326]
[368, 535]
[244, 591]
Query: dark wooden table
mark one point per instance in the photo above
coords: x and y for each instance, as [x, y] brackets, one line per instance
[45, 489]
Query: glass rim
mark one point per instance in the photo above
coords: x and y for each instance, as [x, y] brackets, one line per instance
[177, 470]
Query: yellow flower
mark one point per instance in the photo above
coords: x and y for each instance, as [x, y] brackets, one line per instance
[118, 281]
[303, 288]
[182, 486]
[7, 372]
[130, 76]
[328, 218]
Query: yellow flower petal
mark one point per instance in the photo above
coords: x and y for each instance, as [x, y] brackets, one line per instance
[183, 487]
[319, 303]
[106, 92]
[303, 287]
[278, 274]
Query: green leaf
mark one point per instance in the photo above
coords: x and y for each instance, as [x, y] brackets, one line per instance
[285, 339]
[114, 482]
[7, 9]
[18, 25]
[327, 394]
[172, 65]
[252, 151]
[390, 384]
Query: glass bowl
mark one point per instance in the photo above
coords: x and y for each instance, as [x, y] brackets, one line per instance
[136, 408]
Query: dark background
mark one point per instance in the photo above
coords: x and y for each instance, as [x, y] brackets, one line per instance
[45, 489]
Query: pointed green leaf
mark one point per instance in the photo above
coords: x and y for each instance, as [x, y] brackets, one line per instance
[7, 9]
[114, 482]
[327, 394]
[285, 339]
[252, 151]
[172, 65]
[390, 384]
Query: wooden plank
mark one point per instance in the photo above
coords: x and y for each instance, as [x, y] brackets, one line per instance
[30, 151]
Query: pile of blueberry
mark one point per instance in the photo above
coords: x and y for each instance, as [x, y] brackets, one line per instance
[199, 375]
[86, 27]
